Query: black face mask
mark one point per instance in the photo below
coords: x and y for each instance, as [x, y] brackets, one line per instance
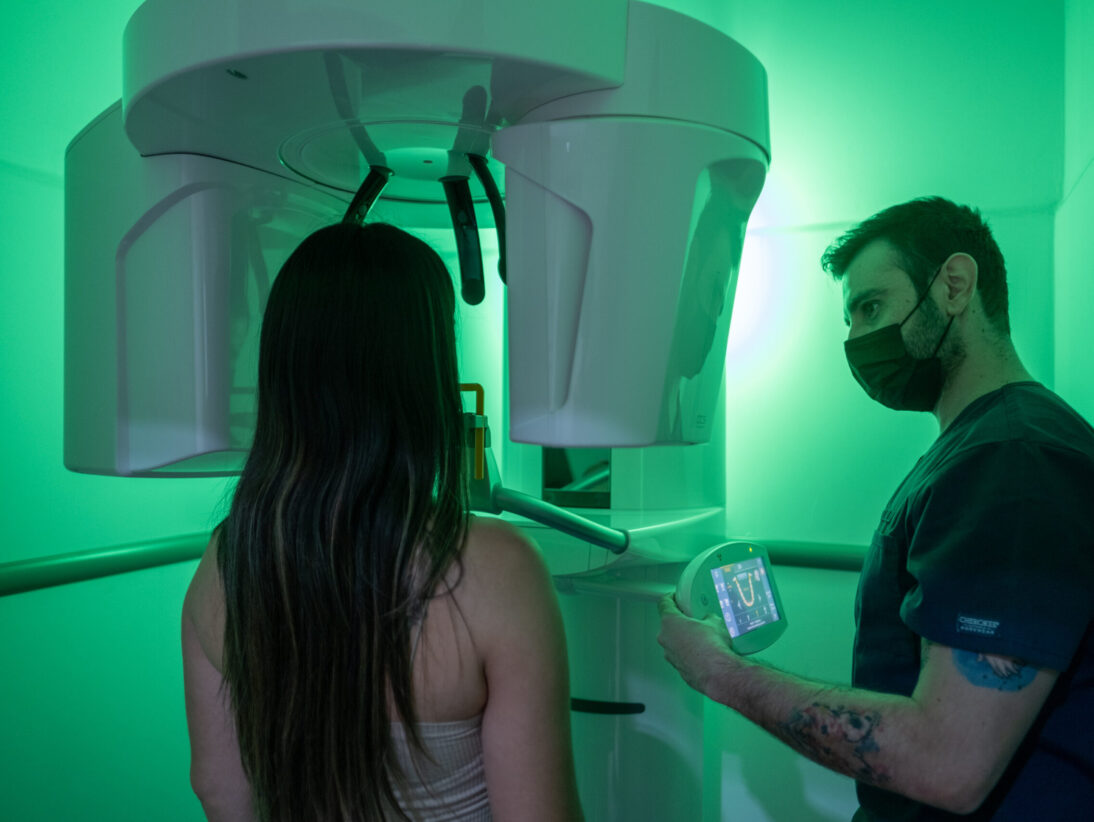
[881, 364]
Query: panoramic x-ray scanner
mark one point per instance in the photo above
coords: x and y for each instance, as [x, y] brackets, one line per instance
[588, 167]
[634, 144]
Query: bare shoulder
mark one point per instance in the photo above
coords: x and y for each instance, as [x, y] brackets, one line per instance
[498, 554]
[504, 577]
[204, 589]
[203, 607]
[492, 534]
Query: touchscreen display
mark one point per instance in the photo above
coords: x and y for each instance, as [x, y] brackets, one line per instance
[744, 593]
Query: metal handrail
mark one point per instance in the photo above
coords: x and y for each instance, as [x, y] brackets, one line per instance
[63, 569]
[827, 556]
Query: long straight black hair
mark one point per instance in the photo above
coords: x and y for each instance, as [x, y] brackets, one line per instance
[351, 509]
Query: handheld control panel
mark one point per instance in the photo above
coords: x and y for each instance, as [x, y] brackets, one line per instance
[736, 579]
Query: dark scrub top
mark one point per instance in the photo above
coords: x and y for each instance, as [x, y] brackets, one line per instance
[988, 546]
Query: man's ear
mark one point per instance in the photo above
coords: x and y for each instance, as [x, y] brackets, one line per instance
[956, 284]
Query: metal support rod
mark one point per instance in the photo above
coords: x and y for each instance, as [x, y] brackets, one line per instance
[497, 207]
[366, 195]
[462, 210]
[560, 519]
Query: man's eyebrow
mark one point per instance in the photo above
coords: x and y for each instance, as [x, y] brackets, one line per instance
[858, 299]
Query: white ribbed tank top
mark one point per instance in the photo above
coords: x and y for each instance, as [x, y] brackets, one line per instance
[450, 784]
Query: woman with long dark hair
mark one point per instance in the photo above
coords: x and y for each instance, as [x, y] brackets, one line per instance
[355, 645]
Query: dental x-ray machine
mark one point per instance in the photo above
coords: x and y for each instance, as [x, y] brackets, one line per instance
[634, 142]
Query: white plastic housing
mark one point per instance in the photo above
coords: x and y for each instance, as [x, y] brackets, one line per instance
[168, 261]
[320, 89]
[621, 283]
[635, 142]
[631, 207]
[762, 614]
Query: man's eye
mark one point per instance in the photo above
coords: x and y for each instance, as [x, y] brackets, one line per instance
[869, 309]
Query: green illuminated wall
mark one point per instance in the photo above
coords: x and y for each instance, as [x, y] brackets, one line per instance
[983, 104]
[91, 717]
[61, 66]
[1074, 285]
[859, 123]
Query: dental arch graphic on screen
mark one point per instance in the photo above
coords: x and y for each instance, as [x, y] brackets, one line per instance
[745, 595]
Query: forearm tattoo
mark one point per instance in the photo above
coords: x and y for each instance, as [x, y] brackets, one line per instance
[1003, 673]
[839, 738]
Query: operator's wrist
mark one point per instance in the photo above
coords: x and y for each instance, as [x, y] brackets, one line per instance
[722, 678]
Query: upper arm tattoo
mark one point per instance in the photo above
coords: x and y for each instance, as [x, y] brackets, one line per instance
[1003, 673]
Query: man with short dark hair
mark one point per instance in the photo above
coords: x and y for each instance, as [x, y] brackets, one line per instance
[973, 682]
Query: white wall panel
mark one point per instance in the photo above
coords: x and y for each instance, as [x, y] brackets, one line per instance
[1074, 264]
[1078, 90]
[1074, 280]
[61, 66]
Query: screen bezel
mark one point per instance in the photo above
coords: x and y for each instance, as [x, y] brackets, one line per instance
[762, 636]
